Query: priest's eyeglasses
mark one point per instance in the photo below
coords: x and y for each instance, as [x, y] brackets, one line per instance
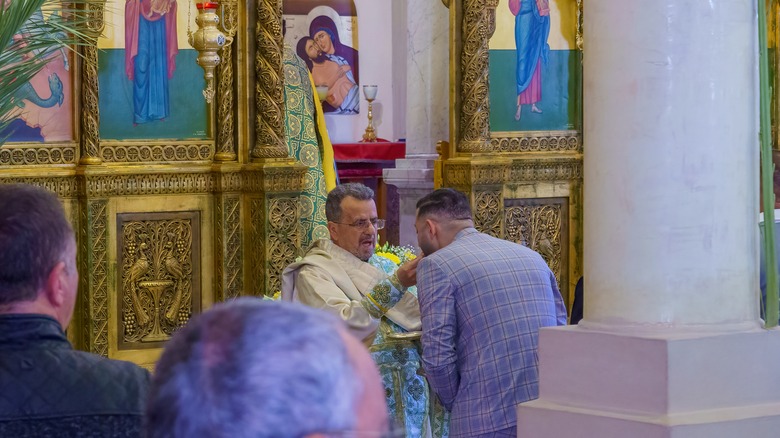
[362, 224]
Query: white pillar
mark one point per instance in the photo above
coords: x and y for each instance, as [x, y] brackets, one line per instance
[671, 344]
[670, 117]
[427, 109]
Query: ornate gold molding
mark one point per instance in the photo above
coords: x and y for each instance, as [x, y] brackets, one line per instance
[90, 113]
[229, 181]
[94, 275]
[148, 184]
[547, 169]
[536, 141]
[270, 179]
[159, 279]
[580, 40]
[466, 173]
[225, 139]
[490, 10]
[256, 266]
[228, 248]
[173, 151]
[37, 154]
[478, 23]
[64, 186]
[276, 179]
[269, 88]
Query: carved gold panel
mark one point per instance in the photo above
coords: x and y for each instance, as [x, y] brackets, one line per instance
[158, 282]
[156, 152]
[37, 154]
[283, 238]
[487, 207]
[273, 239]
[542, 224]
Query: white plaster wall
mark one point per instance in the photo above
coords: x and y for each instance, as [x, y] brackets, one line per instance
[399, 66]
[427, 78]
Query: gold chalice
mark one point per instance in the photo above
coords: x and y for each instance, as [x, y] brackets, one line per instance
[369, 91]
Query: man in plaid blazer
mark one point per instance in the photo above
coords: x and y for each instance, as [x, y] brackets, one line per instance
[482, 302]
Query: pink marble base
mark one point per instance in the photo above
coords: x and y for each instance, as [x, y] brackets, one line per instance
[668, 383]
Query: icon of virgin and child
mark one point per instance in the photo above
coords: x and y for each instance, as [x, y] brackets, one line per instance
[332, 64]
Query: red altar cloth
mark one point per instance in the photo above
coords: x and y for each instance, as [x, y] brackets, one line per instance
[369, 152]
[364, 162]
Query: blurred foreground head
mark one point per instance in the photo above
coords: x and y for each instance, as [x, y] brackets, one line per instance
[253, 368]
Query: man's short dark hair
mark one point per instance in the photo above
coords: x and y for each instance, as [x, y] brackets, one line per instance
[34, 234]
[255, 368]
[354, 190]
[444, 203]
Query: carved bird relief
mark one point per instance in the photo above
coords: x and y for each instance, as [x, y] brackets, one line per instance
[173, 266]
[545, 248]
[138, 271]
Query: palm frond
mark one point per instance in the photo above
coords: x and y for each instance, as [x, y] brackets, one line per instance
[31, 32]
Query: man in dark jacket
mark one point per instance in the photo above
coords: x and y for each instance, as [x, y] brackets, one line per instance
[46, 387]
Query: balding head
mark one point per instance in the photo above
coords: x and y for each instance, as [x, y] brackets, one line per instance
[252, 368]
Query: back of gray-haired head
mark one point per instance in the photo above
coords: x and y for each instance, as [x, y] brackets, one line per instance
[34, 234]
[444, 203]
[253, 368]
[354, 190]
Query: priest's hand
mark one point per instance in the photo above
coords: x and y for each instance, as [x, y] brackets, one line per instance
[407, 273]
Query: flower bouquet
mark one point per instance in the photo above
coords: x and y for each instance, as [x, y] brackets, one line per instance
[277, 296]
[397, 254]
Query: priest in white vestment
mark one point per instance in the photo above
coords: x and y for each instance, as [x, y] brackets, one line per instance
[378, 303]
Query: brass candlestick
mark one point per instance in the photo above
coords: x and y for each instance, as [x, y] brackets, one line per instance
[369, 91]
[207, 40]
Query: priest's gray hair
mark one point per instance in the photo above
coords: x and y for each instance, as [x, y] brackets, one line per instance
[253, 368]
[333, 203]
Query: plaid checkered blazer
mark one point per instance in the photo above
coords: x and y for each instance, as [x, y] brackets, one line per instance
[482, 302]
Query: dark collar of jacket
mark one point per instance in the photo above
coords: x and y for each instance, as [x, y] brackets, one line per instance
[19, 331]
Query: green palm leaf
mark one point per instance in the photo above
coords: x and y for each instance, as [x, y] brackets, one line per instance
[31, 32]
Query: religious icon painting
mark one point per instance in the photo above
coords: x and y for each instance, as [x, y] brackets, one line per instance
[535, 67]
[150, 84]
[45, 103]
[324, 35]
